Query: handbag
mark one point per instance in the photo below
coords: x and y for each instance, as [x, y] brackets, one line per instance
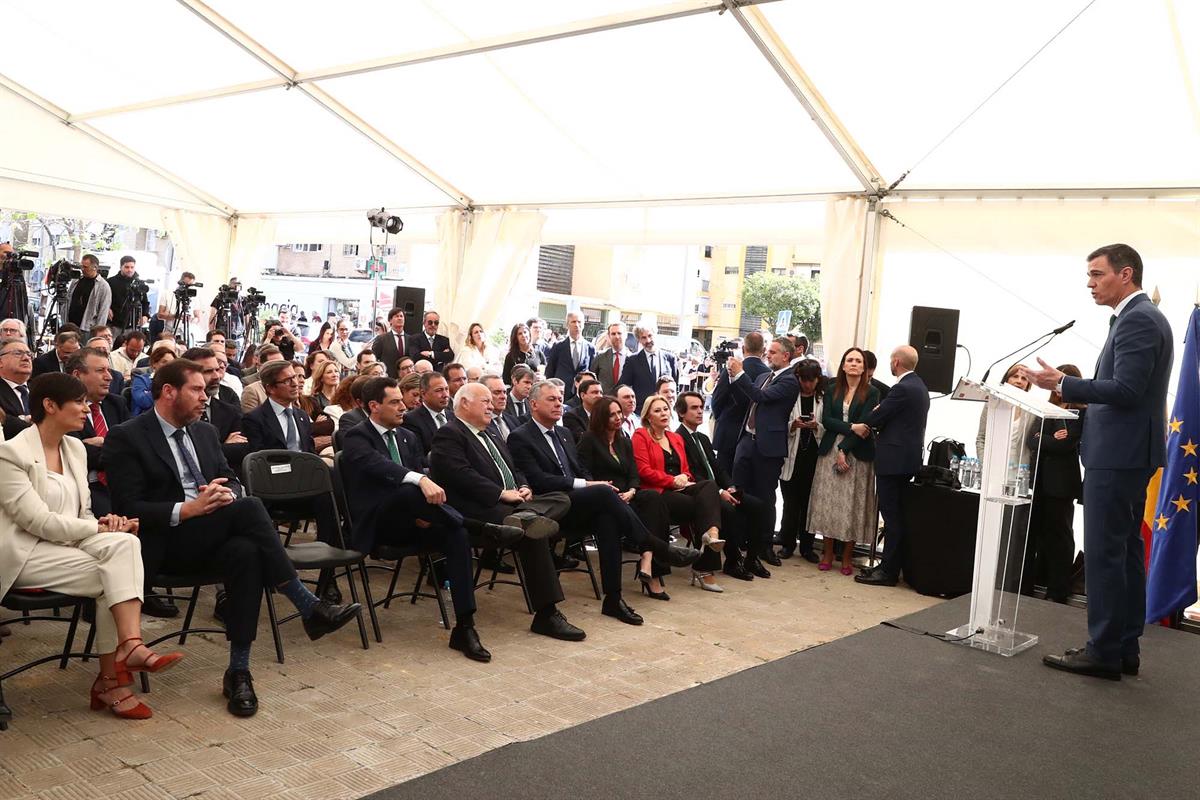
[942, 449]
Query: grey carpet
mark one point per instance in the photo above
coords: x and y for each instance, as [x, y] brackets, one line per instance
[882, 713]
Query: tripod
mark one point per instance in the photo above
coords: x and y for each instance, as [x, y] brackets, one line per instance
[182, 322]
[14, 296]
[51, 324]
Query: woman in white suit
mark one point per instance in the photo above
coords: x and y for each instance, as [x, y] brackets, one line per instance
[50, 540]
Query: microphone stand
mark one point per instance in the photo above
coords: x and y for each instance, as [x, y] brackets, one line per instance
[1049, 337]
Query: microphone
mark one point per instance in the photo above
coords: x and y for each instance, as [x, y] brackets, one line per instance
[1046, 336]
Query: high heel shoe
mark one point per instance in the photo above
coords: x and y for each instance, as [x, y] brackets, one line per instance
[646, 590]
[824, 566]
[847, 570]
[714, 544]
[140, 711]
[698, 580]
[153, 663]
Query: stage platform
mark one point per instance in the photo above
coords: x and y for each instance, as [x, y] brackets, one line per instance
[881, 713]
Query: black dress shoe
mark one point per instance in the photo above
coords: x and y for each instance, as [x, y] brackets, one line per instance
[617, 607]
[501, 535]
[555, 626]
[332, 594]
[772, 559]
[678, 556]
[238, 688]
[755, 568]
[492, 561]
[811, 557]
[219, 603]
[327, 618]
[735, 570]
[876, 577]
[786, 552]
[466, 641]
[564, 562]
[159, 607]
[1079, 662]
[1130, 665]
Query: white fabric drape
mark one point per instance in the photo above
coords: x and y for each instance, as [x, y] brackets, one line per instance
[201, 244]
[841, 275]
[245, 251]
[482, 254]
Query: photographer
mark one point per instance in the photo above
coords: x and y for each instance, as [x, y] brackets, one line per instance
[166, 313]
[227, 313]
[88, 300]
[121, 285]
[281, 337]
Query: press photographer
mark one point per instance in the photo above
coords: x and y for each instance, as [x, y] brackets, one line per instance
[130, 306]
[89, 297]
[282, 338]
[227, 312]
[182, 314]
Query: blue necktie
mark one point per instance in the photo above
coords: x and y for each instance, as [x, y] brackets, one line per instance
[561, 454]
[23, 390]
[293, 435]
[188, 461]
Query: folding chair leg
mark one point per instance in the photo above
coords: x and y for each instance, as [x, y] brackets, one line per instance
[66, 653]
[440, 600]
[274, 619]
[187, 617]
[524, 588]
[366, 583]
[426, 568]
[587, 559]
[362, 626]
[387, 602]
[5, 711]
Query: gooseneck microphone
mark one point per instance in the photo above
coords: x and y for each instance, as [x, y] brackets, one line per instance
[1038, 341]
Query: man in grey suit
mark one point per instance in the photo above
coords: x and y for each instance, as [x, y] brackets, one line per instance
[1124, 441]
[608, 364]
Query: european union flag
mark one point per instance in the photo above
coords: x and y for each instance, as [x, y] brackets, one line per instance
[1171, 585]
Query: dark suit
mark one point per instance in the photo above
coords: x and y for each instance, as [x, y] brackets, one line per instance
[748, 526]
[263, 432]
[237, 542]
[1124, 441]
[461, 465]
[1050, 551]
[442, 354]
[899, 425]
[115, 412]
[729, 411]
[639, 376]
[594, 508]
[576, 421]
[227, 395]
[385, 507]
[350, 419]
[46, 362]
[227, 419]
[385, 349]
[759, 457]
[421, 422]
[516, 412]
[11, 404]
[561, 364]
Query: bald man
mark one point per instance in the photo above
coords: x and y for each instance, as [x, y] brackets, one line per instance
[898, 425]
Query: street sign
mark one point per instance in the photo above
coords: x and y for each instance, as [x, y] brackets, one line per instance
[784, 322]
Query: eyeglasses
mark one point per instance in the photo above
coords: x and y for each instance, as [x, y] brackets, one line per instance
[294, 379]
[18, 353]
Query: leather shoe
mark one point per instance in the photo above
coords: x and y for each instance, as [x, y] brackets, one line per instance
[565, 562]
[678, 556]
[1130, 665]
[734, 569]
[501, 535]
[1078, 661]
[617, 607]
[534, 525]
[327, 618]
[238, 688]
[786, 553]
[466, 641]
[755, 568]
[159, 607]
[490, 560]
[332, 594]
[876, 577]
[219, 603]
[811, 557]
[772, 559]
[555, 625]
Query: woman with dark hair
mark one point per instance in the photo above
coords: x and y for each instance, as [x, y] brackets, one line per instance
[49, 539]
[608, 455]
[1050, 551]
[843, 504]
[799, 467]
[324, 338]
[250, 357]
[661, 457]
[520, 351]
[1013, 376]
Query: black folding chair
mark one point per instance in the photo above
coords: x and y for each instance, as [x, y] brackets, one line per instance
[282, 476]
[582, 539]
[426, 557]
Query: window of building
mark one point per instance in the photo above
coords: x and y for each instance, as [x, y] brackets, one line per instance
[729, 306]
[731, 270]
[779, 270]
[307, 248]
[704, 286]
[389, 250]
[349, 249]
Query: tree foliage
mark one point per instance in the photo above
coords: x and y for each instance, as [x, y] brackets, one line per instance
[766, 294]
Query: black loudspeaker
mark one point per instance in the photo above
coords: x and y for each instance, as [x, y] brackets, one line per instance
[934, 332]
[412, 300]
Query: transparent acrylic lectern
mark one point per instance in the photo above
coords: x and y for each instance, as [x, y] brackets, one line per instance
[1014, 423]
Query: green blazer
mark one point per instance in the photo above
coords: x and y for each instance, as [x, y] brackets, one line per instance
[831, 418]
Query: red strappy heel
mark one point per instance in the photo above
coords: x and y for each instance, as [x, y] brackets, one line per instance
[155, 662]
[140, 711]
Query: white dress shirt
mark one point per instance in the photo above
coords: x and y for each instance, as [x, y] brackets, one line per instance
[190, 490]
[411, 476]
[578, 483]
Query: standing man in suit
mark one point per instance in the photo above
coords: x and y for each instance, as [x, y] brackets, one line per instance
[16, 365]
[393, 501]
[429, 344]
[433, 412]
[522, 380]
[1124, 441]
[608, 364]
[483, 483]
[643, 370]
[546, 454]
[898, 424]
[762, 445]
[728, 407]
[194, 518]
[388, 347]
[572, 355]
[537, 339]
[66, 344]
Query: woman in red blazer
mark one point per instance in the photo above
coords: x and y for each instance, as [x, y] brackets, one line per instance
[662, 466]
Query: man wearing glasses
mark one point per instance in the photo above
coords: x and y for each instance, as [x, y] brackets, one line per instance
[429, 344]
[16, 365]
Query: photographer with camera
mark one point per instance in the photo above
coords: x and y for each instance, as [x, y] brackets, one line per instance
[89, 298]
[130, 306]
[278, 335]
[227, 312]
[176, 316]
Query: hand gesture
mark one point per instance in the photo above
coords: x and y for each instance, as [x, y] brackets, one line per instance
[434, 494]
[682, 481]
[734, 366]
[212, 496]
[1045, 378]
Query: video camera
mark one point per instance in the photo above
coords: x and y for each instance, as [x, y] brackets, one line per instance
[186, 291]
[62, 272]
[226, 295]
[723, 351]
[17, 261]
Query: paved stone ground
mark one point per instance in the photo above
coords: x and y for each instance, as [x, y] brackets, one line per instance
[336, 721]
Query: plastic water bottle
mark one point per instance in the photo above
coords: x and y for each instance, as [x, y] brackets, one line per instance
[448, 602]
[1023, 481]
[954, 466]
[976, 474]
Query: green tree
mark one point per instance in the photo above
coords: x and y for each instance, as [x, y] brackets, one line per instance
[765, 294]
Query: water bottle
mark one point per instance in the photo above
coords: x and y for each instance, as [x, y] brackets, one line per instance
[976, 474]
[448, 602]
[1023, 481]
[954, 466]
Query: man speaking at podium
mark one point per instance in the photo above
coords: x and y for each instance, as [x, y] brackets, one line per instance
[1124, 441]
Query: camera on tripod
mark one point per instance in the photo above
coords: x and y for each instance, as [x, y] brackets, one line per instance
[17, 261]
[62, 272]
[184, 292]
[226, 295]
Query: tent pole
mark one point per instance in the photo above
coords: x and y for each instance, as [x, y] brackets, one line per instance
[866, 274]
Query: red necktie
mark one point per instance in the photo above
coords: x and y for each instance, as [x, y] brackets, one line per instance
[101, 428]
[616, 368]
